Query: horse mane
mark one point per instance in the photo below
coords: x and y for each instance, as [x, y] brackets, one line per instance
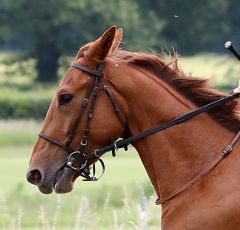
[195, 89]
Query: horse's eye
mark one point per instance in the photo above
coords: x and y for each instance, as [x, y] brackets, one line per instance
[65, 99]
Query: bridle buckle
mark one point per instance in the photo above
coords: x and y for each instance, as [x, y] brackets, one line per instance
[83, 142]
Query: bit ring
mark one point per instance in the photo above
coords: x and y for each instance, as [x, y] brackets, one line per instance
[82, 163]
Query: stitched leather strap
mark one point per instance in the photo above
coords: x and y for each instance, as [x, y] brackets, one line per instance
[87, 70]
[114, 105]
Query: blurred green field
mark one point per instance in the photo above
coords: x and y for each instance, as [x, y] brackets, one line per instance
[117, 201]
[16, 133]
[124, 181]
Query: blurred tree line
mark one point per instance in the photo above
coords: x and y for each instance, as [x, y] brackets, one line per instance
[47, 29]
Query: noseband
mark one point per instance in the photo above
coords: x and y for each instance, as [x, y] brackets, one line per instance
[77, 158]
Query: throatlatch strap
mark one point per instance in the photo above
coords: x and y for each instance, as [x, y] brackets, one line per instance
[114, 104]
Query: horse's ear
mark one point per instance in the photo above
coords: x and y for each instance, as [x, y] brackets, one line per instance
[117, 40]
[100, 49]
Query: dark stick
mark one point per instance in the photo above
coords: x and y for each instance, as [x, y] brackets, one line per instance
[228, 45]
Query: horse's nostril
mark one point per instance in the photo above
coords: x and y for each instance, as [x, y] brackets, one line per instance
[34, 176]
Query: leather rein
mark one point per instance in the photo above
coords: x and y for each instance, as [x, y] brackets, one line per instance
[78, 159]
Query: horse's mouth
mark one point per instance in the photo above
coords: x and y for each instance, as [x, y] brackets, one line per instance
[61, 182]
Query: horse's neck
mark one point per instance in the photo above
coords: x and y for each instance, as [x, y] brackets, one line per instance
[173, 156]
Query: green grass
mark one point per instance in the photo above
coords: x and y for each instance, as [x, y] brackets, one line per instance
[18, 132]
[118, 193]
[117, 201]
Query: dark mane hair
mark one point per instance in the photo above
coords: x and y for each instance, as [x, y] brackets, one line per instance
[195, 89]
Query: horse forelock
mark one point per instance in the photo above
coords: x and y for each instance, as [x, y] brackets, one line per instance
[195, 89]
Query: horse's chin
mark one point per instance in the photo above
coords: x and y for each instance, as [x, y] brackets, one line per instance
[64, 180]
[61, 182]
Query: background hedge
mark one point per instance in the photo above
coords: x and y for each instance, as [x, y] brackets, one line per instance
[24, 107]
[30, 101]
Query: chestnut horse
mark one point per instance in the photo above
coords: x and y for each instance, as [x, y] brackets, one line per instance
[195, 188]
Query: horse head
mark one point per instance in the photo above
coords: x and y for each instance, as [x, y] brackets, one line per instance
[83, 116]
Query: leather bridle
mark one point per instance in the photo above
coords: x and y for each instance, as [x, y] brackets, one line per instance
[78, 159]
